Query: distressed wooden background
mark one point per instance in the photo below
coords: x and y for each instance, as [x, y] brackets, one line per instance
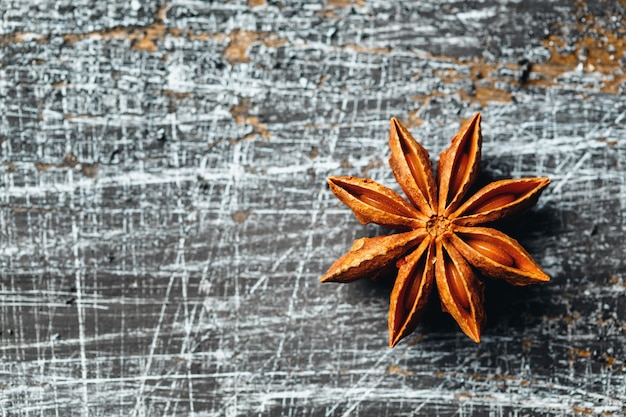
[164, 217]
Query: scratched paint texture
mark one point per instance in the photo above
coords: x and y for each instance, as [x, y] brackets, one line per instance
[164, 218]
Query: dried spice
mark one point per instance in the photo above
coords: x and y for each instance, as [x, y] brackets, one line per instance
[441, 240]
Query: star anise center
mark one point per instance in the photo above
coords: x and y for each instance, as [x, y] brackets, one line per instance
[438, 226]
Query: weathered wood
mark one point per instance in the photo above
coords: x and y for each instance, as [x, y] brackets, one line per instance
[164, 216]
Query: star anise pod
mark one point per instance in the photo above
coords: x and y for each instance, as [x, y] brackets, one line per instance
[440, 239]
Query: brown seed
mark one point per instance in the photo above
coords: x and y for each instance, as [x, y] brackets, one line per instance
[416, 170]
[491, 250]
[457, 179]
[358, 188]
[412, 291]
[495, 202]
[382, 203]
[455, 282]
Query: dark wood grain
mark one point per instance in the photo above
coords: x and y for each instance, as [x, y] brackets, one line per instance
[164, 216]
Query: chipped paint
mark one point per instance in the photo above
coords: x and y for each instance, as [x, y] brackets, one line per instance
[241, 114]
[242, 40]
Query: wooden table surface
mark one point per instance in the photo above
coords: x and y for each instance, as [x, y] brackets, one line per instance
[165, 219]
